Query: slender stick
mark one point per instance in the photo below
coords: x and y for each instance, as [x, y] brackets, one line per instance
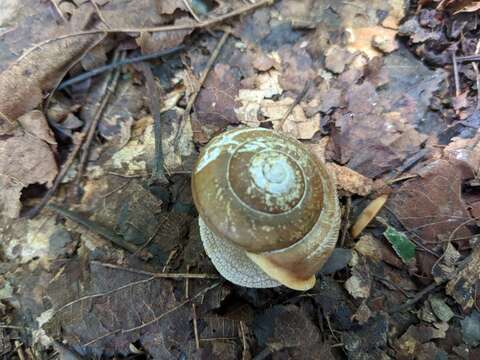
[455, 75]
[158, 174]
[157, 274]
[99, 13]
[94, 227]
[297, 100]
[115, 64]
[112, 82]
[193, 98]
[467, 58]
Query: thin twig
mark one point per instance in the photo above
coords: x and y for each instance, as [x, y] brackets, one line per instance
[118, 188]
[65, 72]
[468, 58]
[419, 296]
[111, 82]
[99, 13]
[63, 171]
[58, 10]
[200, 25]
[244, 340]
[158, 274]
[14, 327]
[150, 239]
[19, 349]
[433, 286]
[194, 312]
[125, 176]
[169, 259]
[226, 338]
[297, 100]
[450, 239]
[401, 178]
[158, 174]
[104, 68]
[190, 10]
[156, 318]
[455, 74]
[94, 227]
[193, 97]
[477, 75]
[195, 16]
[103, 294]
[346, 223]
[195, 327]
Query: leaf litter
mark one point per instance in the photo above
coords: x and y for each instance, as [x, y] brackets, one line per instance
[372, 88]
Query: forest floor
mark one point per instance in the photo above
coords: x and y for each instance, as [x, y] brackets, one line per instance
[100, 250]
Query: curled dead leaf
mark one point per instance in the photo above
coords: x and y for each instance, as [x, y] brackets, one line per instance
[22, 83]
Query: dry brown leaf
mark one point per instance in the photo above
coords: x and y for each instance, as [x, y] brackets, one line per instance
[297, 68]
[412, 341]
[370, 40]
[137, 156]
[169, 6]
[299, 126]
[158, 41]
[463, 286]
[350, 180]
[119, 114]
[22, 83]
[431, 208]
[359, 284]
[216, 101]
[376, 250]
[337, 59]
[23, 23]
[41, 238]
[129, 307]
[373, 144]
[431, 205]
[466, 151]
[134, 14]
[250, 101]
[319, 149]
[296, 124]
[263, 62]
[24, 160]
[36, 125]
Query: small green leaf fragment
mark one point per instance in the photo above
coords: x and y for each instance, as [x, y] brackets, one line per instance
[404, 248]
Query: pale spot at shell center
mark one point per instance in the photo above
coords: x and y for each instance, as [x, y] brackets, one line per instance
[274, 173]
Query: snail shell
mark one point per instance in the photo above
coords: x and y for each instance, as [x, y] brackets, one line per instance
[268, 209]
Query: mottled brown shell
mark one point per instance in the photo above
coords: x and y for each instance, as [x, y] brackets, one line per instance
[263, 193]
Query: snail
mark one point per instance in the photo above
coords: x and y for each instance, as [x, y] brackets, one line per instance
[268, 209]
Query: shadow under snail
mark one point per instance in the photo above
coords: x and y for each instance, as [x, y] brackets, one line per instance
[268, 209]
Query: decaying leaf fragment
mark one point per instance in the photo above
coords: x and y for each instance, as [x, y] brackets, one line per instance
[22, 84]
[350, 180]
[25, 158]
[464, 286]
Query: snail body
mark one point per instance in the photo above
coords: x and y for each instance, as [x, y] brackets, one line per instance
[268, 209]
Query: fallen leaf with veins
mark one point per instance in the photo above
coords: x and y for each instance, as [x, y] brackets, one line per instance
[23, 82]
[25, 158]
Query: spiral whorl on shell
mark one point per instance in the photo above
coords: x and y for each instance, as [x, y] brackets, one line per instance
[269, 213]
